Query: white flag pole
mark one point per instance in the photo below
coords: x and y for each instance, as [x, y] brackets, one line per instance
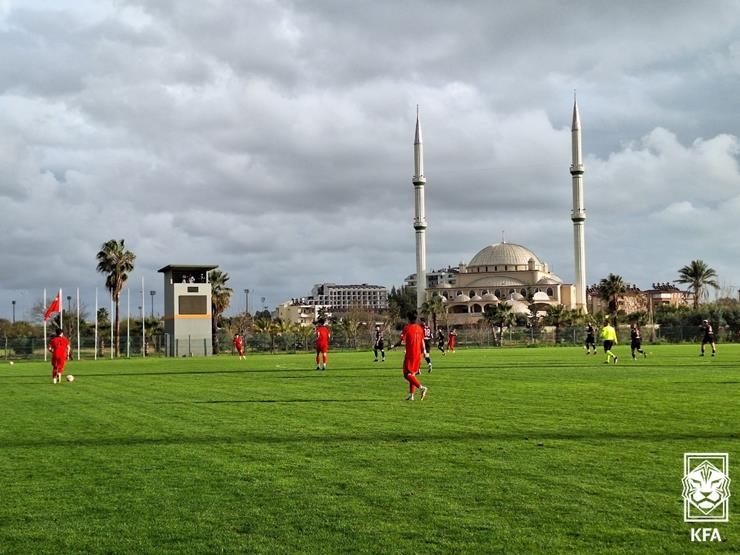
[95, 349]
[78, 323]
[143, 324]
[110, 318]
[46, 339]
[128, 323]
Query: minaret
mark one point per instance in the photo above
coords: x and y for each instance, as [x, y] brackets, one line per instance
[420, 221]
[578, 215]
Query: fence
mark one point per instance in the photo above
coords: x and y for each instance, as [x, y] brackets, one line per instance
[34, 348]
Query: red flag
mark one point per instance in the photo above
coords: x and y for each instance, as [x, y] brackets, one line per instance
[53, 307]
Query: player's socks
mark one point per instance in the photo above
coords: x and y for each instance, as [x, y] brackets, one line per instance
[424, 393]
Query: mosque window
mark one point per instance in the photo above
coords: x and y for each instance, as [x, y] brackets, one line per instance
[523, 292]
[549, 292]
[471, 293]
[497, 292]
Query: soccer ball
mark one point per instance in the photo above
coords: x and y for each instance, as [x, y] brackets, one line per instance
[70, 378]
[11, 363]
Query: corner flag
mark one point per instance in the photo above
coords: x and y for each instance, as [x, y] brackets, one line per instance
[54, 306]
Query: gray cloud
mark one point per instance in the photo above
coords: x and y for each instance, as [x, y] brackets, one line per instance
[275, 138]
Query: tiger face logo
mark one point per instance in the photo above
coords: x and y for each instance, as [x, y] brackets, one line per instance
[706, 487]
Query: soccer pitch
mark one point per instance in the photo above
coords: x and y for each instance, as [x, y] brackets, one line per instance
[542, 450]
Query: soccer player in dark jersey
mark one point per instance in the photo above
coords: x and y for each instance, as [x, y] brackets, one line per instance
[708, 330]
[636, 341]
[379, 345]
[441, 340]
[590, 338]
[427, 343]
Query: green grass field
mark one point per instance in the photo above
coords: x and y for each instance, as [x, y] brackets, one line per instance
[515, 450]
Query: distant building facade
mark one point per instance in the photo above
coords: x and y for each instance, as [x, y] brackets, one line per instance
[436, 278]
[331, 297]
[299, 312]
[636, 300]
[345, 297]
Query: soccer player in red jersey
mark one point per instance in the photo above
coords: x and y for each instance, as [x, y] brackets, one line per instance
[413, 337]
[452, 340]
[322, 344]
[239, 345]
[60, 349]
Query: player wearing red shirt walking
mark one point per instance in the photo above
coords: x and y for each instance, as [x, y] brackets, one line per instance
[60, 349]
[239, 345]
[452, 340]
[322, 344]
[413, 337]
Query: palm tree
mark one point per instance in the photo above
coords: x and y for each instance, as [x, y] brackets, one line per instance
[285, 330]
[304, 333]
[262, 326]
[611, 288]
[433, 307]
[500, 316]
[349, 326]
[557, 316]
[697, 275]
[117, 262]
[220, 299]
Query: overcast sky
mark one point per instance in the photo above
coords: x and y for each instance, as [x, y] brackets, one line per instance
[275, 139]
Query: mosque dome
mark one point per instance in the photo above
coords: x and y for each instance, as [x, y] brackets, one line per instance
[490, 297]
[517, 307]
[504, 254]
[540, 296]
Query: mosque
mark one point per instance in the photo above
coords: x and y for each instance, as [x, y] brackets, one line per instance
[503, 272]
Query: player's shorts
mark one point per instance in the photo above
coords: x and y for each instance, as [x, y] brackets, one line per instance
[58, 362]
[380, 345]
[411, 365]
[636, 344]
[608, 344]
[428, 344]
[322, 347]
[590, 340]
[708, 338]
